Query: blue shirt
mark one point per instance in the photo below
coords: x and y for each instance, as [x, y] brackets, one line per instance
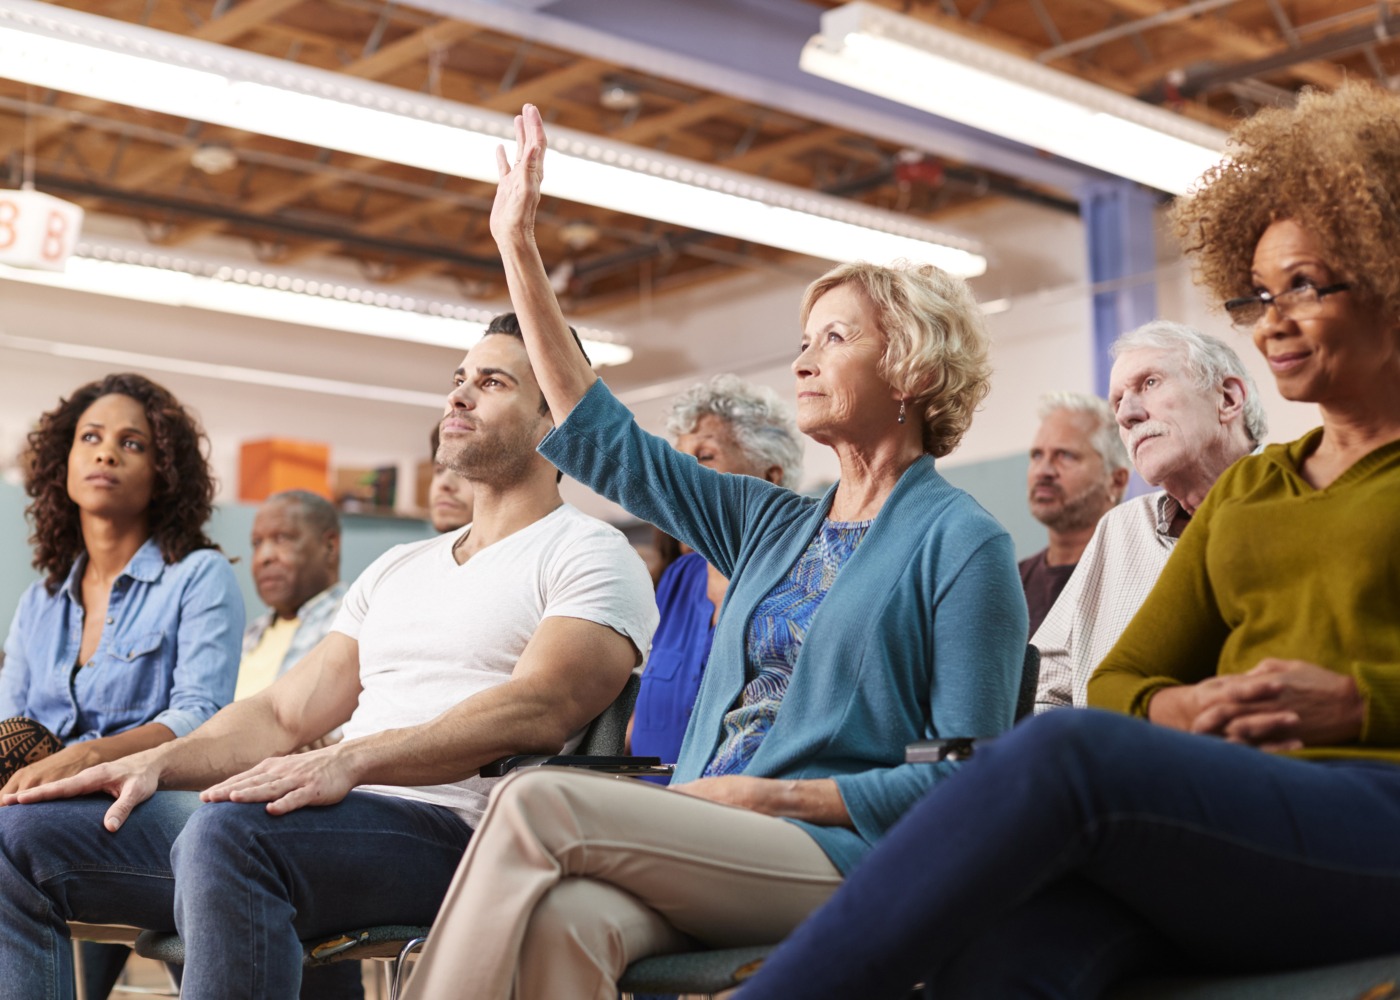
[776, 632]
[676, 662]
[168, 653]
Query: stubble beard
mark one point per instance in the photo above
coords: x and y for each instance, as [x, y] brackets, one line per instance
[1077, 512]
[497, 459]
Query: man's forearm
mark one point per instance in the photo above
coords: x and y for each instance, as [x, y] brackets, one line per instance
[504, 720]
[237, 737]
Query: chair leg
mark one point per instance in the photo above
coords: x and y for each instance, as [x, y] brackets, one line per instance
[400, 966]
[80, 980]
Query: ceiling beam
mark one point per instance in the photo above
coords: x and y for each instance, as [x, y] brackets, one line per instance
[241, 19]
[697, 44]
[645, 129]
[1222, 35]
[385, 61]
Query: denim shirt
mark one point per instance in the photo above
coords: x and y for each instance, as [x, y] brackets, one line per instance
[168, 653]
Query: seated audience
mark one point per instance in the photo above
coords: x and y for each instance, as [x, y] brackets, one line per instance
[1078, 472]
[730, 426]
[561, 612]
[1237, 809]
[131, 639]
[887, 610]
[449, 494]
[1187, 409]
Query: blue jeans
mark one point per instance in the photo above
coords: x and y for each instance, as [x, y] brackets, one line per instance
[243, 887]
[1084, 847]
[103, 964]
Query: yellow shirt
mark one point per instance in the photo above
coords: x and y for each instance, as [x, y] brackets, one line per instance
[260, 665]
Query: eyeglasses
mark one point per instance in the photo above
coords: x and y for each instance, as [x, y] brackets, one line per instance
[1300, 302]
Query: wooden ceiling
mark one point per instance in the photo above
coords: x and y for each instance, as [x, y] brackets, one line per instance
[1214, 59]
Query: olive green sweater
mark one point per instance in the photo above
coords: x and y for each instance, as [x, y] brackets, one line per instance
[1271, 567]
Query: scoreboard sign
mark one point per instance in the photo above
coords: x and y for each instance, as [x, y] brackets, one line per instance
[37, 230]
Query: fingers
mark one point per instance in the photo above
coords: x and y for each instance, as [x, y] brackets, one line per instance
[244, 779]
[119, 810]
[538, 141]
[79, 784]
[502, 163]
[1263, 727]
[520, 137]
[302, 795]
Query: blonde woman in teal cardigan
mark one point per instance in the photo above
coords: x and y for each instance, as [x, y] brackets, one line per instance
[886, 611]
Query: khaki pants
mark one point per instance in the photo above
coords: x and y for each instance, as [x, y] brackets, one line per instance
[571, 876]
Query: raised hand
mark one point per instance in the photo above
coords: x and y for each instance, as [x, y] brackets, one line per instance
[314, 778]
[518, 191]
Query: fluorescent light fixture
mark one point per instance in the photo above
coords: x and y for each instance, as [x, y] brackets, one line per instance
[915, 63]
[144, 275]
[79, 53]
[357, 391]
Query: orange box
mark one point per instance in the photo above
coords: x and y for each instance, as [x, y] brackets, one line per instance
[277, 464]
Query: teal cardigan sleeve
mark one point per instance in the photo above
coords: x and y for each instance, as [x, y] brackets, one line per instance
[712, 512]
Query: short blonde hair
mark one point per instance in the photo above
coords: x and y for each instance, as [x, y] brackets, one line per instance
[936, 342]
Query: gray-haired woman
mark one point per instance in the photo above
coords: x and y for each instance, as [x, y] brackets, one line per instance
[730, 426]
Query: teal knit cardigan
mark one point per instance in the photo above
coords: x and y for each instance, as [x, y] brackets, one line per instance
[922, 634]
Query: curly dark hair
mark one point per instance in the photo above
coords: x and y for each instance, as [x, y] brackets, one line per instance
[1331, 164]
[182, 497]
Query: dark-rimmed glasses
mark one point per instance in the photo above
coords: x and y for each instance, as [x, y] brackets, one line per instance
[1299, 302]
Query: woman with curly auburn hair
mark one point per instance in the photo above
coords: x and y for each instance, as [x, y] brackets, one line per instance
[133, 636]
[885, 611]
[1245, 820]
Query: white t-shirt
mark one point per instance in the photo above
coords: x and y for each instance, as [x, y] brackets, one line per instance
[433, 633]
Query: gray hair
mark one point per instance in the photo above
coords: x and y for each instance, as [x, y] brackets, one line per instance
[763, 426]
[1105, 439]
[1209, 362]
[318, 512]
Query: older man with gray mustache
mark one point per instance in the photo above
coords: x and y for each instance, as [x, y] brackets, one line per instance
[1186, 409]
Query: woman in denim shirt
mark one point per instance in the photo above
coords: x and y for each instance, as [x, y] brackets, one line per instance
[133, 637]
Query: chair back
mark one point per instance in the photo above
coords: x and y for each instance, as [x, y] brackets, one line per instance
[606, 735]
[1030, 681]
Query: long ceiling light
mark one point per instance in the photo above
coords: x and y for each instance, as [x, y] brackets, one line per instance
[146, 275]
[915, 63]
[128, 64]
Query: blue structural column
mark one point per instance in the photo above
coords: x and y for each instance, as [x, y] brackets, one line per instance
[1118, 222]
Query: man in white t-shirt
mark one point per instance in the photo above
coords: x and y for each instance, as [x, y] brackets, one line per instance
[506, 636]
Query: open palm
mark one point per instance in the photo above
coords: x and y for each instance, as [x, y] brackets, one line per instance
[518, 192]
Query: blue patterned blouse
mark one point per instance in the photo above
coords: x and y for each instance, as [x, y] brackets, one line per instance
[775, 635]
